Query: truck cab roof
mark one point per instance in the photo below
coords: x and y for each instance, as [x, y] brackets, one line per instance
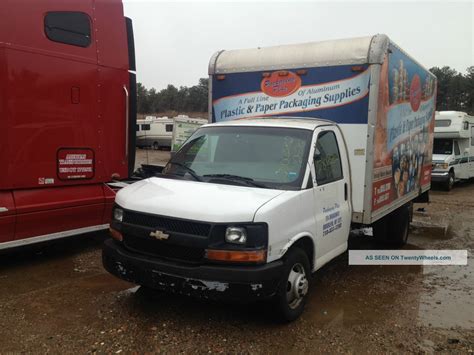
[283, 121]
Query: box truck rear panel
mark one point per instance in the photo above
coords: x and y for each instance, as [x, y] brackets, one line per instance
[381, 98]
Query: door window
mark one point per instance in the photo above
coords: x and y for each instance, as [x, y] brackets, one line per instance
[456, 149]
[68, 27]
[327, 159]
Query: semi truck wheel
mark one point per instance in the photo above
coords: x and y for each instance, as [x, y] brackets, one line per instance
[450, 182]
[293, 288]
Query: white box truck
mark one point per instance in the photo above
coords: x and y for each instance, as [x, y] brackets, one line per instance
[306, 142]
[453, 148]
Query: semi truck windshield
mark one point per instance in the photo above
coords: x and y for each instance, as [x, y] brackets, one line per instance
[251, 156]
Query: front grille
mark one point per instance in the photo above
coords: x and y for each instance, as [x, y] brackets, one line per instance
[157, 248]
[167, 224]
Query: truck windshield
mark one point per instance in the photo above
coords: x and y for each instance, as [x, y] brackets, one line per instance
[266, 157]
[443, 146]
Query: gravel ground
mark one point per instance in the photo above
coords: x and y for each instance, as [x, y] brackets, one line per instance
[57, 298]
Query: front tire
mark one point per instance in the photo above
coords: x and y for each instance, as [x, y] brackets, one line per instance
[293, 288]
[450, 183]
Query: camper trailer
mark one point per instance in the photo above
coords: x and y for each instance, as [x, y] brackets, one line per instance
[155, 133]
[453, 148]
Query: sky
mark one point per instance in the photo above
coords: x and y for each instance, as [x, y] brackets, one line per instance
[175, 39]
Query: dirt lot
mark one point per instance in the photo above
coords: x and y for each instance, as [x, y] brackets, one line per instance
[58, 298]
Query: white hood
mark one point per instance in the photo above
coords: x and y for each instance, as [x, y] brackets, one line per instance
[195, 200]
[441, 157]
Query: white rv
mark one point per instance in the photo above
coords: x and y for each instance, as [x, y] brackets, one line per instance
[453, 148]
[155, 132]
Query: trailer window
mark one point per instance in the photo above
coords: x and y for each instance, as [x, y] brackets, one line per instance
[442, 123]
[73, 28]
[145, 127]
[327, 160]
[169, 128]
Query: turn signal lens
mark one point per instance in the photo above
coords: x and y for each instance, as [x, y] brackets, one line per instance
[116, 234]
[237, 256]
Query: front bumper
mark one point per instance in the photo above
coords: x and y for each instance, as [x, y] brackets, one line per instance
[220, 282]
[439, 176]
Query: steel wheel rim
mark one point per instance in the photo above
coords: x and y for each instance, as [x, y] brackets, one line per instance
[297, 286]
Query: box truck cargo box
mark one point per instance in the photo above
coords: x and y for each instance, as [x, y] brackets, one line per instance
[382, 99]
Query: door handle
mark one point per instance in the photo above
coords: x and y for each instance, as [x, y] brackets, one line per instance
[3, 209]
[345, 191]
[126, 120]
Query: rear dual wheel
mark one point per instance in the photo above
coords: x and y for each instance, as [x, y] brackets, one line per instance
[394, 227]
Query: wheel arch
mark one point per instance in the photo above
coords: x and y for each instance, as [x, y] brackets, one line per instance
[304, 241]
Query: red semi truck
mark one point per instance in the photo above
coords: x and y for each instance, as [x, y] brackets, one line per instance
[67, 116]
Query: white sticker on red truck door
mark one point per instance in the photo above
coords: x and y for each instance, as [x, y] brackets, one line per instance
[75, 163]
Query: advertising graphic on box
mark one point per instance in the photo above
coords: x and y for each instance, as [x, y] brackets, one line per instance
[339, 93]
[405, 123]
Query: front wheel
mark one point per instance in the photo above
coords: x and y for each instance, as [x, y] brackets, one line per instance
[294, 285]
[450, 182]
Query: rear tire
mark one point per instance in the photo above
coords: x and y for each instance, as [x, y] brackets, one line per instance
[156, 146]
[293, 289]
[393, 228]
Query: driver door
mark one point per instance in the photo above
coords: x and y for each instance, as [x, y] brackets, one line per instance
[330, 173]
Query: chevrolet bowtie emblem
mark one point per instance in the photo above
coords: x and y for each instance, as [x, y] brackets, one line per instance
[160, 235]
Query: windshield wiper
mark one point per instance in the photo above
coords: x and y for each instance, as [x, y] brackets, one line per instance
[247, 180]
[188, 169]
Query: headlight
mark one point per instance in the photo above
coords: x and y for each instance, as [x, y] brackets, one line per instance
[442, 166]
[118, 214]
[236, 235]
